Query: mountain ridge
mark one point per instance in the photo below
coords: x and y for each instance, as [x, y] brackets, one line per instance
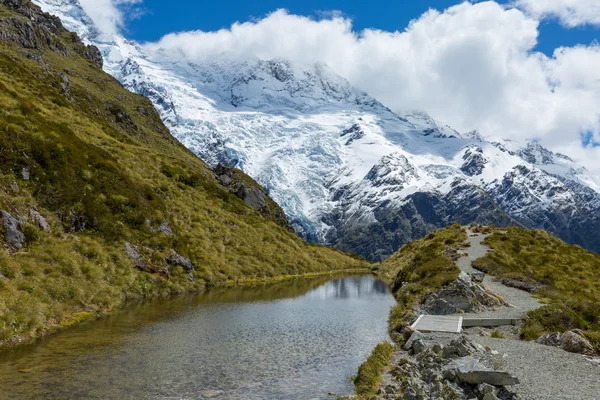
[316, 145]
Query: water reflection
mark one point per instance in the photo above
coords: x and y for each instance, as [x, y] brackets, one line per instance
[351, 287]
[297, 339]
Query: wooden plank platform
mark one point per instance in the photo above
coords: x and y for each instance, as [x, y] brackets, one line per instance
[438, 323]
[469, 322]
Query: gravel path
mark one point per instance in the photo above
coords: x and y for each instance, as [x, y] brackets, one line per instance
[546, 373]
[521, 301]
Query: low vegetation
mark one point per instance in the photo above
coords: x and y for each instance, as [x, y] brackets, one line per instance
[567, 278]
[98, 165]
[420, 268]
[371, 371]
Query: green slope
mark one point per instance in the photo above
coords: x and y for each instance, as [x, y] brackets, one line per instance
[99, 166]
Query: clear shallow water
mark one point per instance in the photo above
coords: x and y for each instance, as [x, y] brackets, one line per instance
[298, 339]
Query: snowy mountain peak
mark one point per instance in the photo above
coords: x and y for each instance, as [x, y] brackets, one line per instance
[347, 170]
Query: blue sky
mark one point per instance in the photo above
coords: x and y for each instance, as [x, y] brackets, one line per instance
[162, 17]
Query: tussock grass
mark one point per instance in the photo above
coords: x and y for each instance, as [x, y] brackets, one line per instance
[420, 268]
[371, 371]
[568, 276]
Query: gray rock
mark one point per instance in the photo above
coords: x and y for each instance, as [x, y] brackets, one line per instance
[66, 87]
[471, 371]
[12, 234]
[185, 263]
[418, 346]
[134, 254]
[225, 180]
[574, 343]
[489, 396]
[477, 277]
[39, 220]
[25, 173]
[164, 228]
[462, 294]
[486, 388]
[550, 339]
[253, 197]
[413, 338]
[460, 347]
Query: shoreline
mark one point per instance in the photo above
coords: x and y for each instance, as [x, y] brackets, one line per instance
[84, 316]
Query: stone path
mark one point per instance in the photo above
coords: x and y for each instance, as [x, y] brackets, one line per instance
[521, 301]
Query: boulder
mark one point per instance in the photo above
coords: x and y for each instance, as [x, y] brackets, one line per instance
[550, 339]
[25, 174]
[461, 294]
[471, 371]
[477, 277]
[574, 343]
[12, 234]
[253, 197]
[413, 338]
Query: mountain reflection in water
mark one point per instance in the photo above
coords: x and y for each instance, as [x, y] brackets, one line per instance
[298, 339]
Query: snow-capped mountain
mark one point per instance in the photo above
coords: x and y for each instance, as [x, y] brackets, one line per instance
[347, 170]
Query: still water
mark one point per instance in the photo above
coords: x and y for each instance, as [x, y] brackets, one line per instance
[300, 339]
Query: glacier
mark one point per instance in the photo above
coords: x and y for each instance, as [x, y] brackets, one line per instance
[347, 170]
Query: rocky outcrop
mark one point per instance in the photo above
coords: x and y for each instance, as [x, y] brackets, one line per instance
[252, 193]
[176, 259]
[461, 295]
[134, 255]
[571, 341]
[13, 236]
[455, 371]
[39, 220]
[41, 32]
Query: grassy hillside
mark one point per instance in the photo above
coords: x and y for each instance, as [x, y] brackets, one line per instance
[567, 278]
[420, 268]
[97, 164]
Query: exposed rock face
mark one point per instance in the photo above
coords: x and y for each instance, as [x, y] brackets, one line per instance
[39, 220]
[40, 32]
[12, 233]
[185, 263]
[134, 255]
[461, 294]
[252, 193]
[164, 228]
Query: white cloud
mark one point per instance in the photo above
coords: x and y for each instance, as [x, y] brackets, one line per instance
[570, 12]
[471, 66]
[106, 14]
